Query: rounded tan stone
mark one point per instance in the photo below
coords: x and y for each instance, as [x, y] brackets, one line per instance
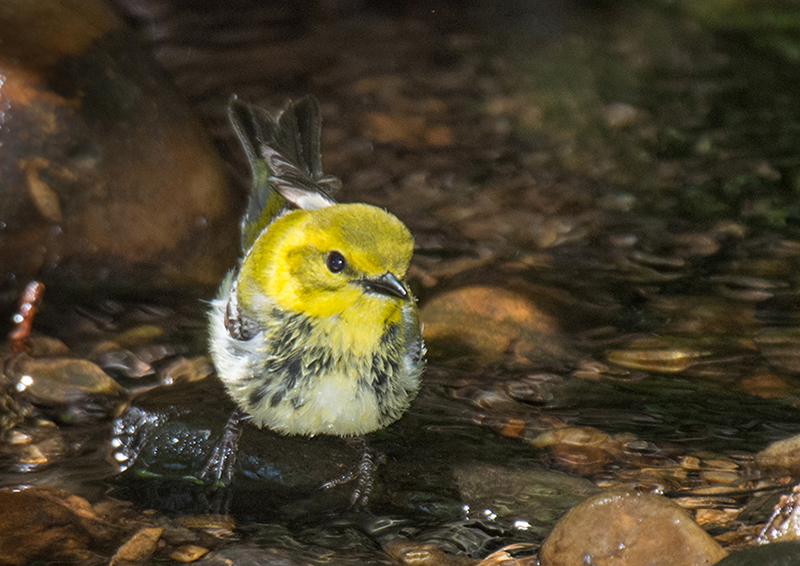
[629, 529]
[485, 321]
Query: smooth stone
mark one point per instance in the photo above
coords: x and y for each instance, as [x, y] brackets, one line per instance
[622, 528]
[410, 553]
[783, 455]
[139, 548]
[188, 553]
[61, 380]
[530, 497]
[106, 173]
[487, 322]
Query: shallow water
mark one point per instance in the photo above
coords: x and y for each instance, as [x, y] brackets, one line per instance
[628, 172]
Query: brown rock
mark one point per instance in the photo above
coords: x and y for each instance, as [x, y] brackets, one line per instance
[188, 553]
[582, 450]
[520, 493]
[519, 554]
[103, 168]
[672, 360]
[767, 386]
[60, 380]
[139, 548]
[629, 529]
[783, 455]
[488, 322]
[410, 553]
[48, 524]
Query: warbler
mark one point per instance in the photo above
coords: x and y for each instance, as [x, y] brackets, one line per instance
[316, 329]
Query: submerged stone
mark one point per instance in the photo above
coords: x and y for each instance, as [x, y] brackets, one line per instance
[188, 553]
[489, 323]
[139, 548]
[783, 455]
[520, 554]
[625, 528]
[674, 360]
[781, 347]
[531, 499]
[60, 380]
[29, 447]
[419, 554]
[582, 450]
[242, 555]
[49, 524]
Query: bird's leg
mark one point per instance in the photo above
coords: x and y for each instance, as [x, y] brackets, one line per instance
[221, 464]
[363, 475]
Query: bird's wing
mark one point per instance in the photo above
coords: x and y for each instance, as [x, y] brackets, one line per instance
[285, 160]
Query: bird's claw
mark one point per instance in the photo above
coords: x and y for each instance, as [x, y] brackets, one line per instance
[221, 465]
[362, 475]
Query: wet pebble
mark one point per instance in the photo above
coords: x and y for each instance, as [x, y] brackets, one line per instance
[520, 554]
[13, 408]
[625, 528]
[410, 553]
[704, 315]
[183, 370]
[32, 445]
[671, 360]
[139, 548]
[188, 553]
[109, 355]
[45, 346]
[142, 335]
[64, 382]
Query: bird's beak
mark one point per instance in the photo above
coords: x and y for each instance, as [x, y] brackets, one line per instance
[386, 284]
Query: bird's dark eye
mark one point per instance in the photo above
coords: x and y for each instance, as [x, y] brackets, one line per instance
[335, 262]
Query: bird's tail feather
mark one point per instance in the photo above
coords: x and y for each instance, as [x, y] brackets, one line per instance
[284, 156]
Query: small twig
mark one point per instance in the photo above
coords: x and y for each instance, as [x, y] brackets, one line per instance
[28, 305]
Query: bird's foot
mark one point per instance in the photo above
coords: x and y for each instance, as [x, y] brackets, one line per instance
[362, 475]
[221, 465]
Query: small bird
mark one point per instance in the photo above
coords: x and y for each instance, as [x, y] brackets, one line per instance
[316, 330]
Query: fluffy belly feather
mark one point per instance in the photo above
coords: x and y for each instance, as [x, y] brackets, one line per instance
[318, 393]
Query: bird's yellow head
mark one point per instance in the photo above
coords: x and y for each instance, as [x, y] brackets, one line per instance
[346, 260]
